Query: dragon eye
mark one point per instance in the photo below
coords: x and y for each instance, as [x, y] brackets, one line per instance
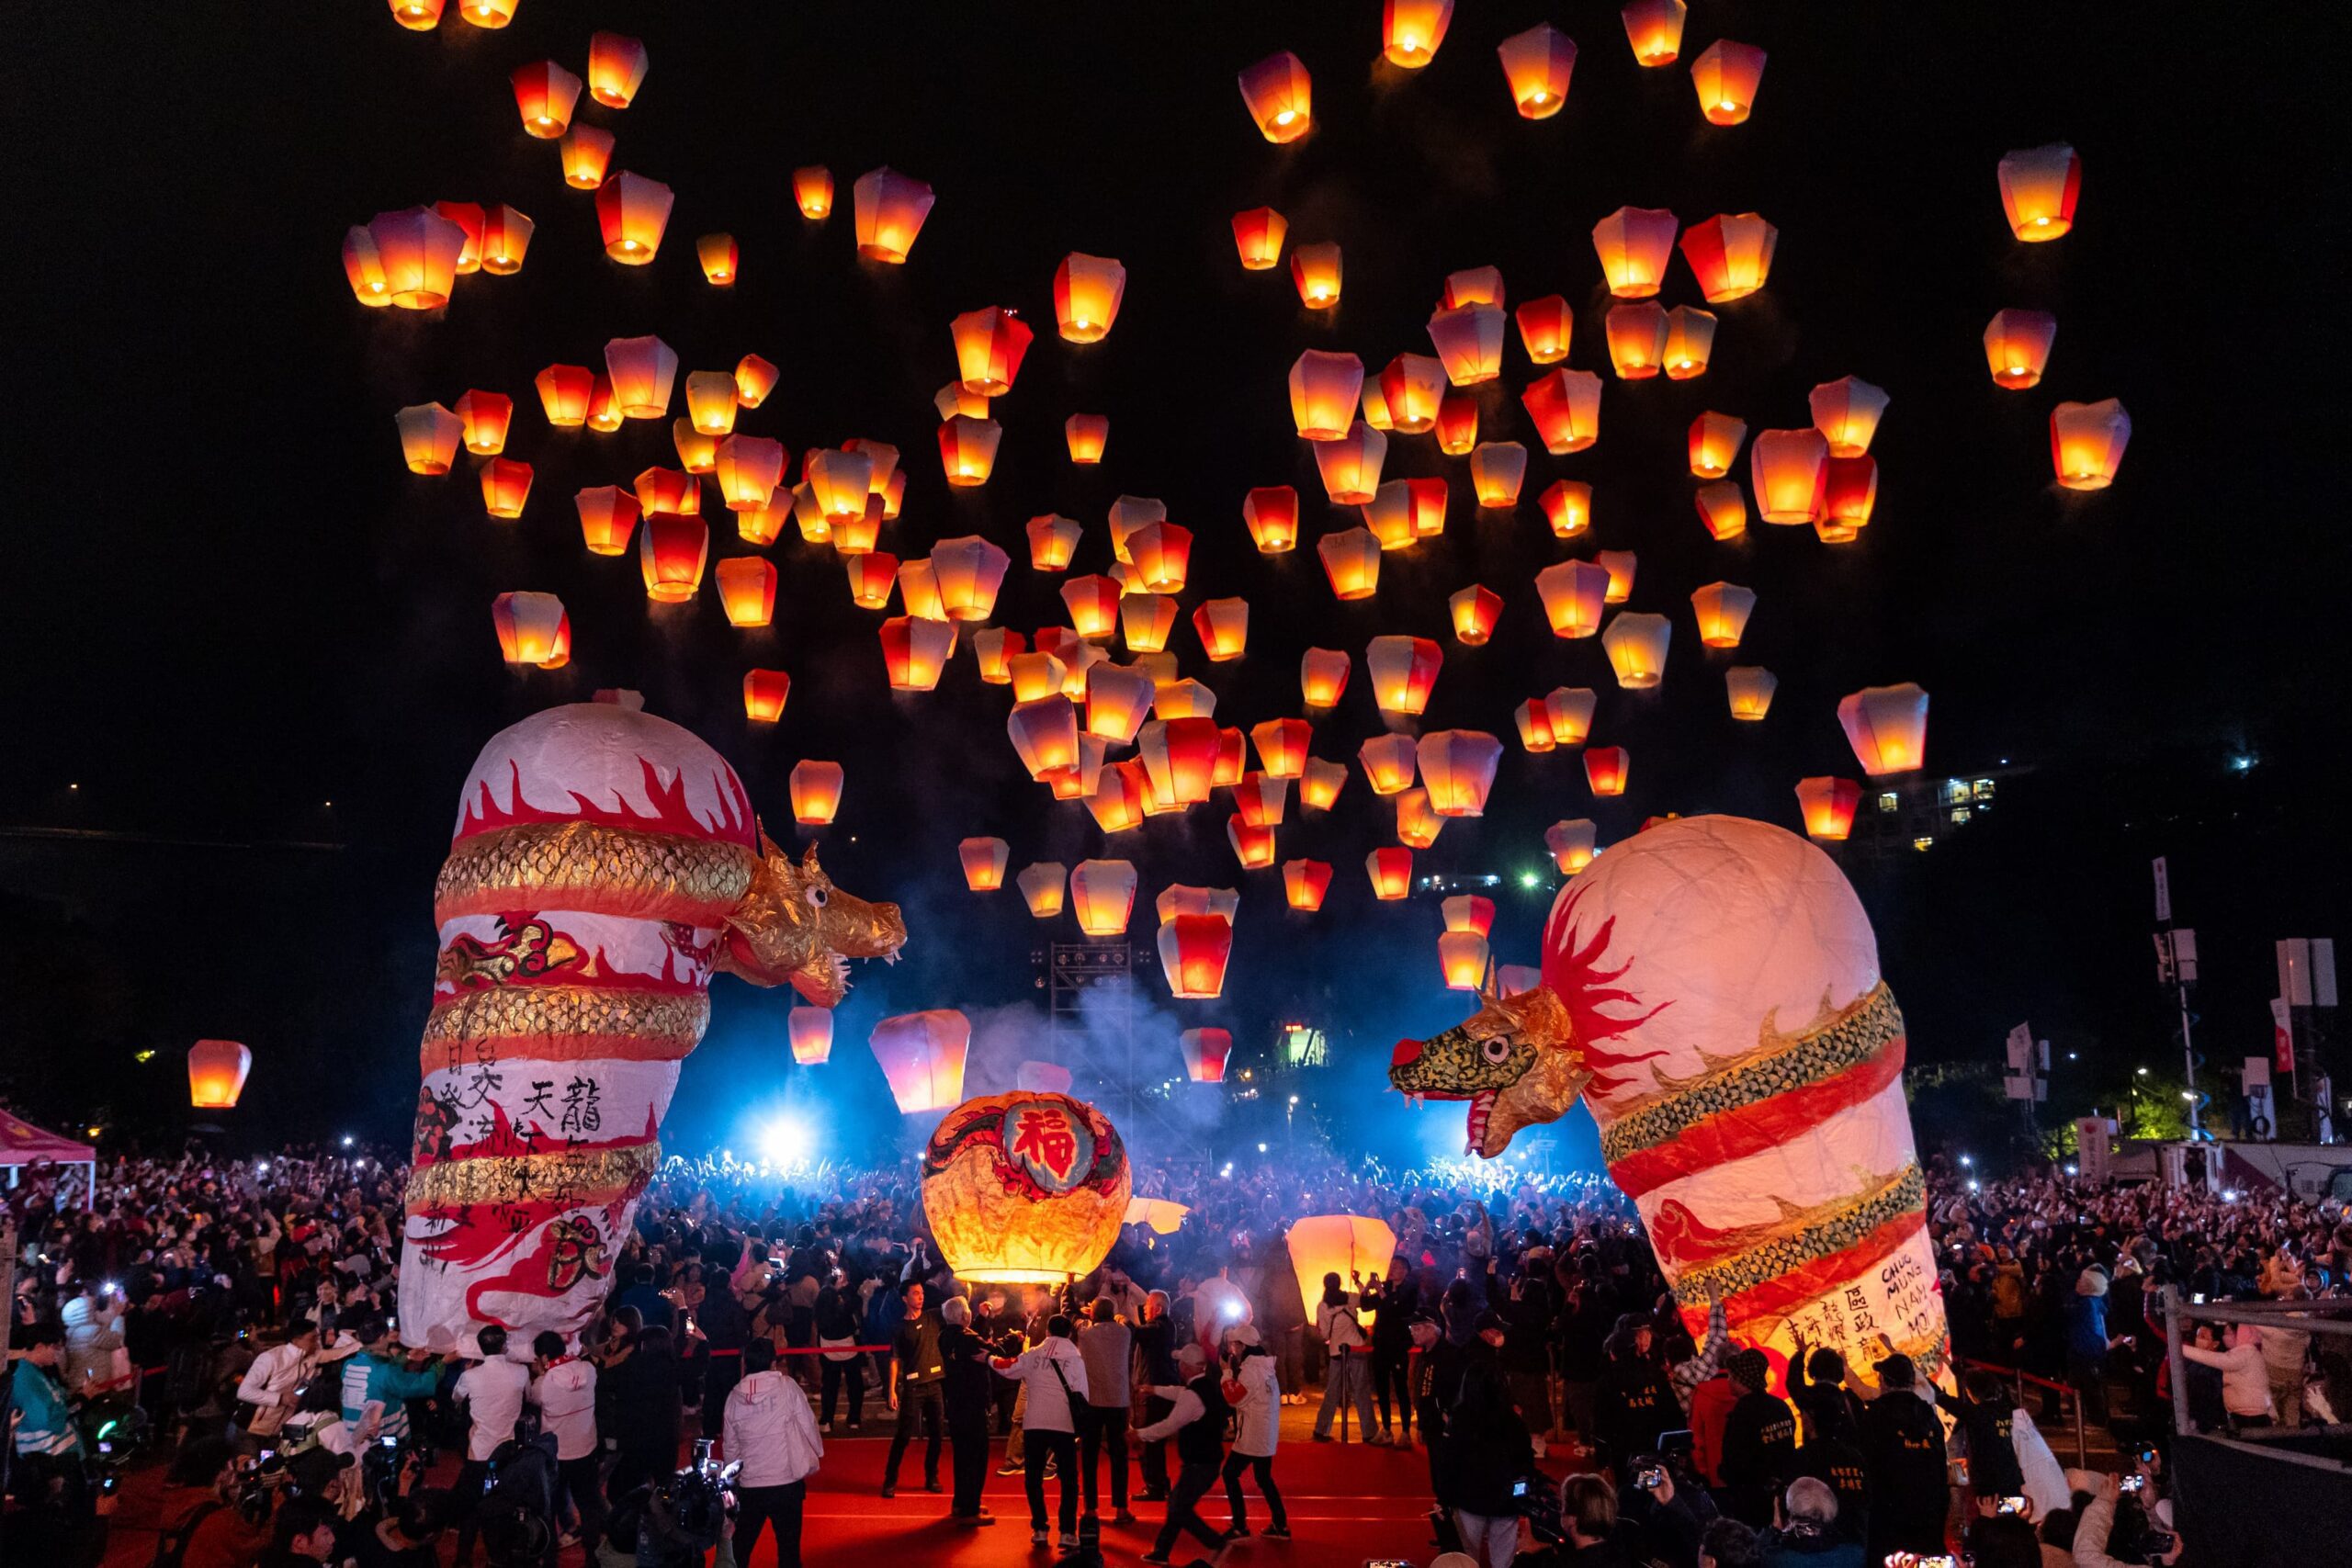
[816, 897]
[1495, 1049]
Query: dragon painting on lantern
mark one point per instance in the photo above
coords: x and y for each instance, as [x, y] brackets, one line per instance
[1711, 989]
[605, 865]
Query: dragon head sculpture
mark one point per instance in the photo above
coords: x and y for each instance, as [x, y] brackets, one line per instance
[795, 925]
[1516, 1061]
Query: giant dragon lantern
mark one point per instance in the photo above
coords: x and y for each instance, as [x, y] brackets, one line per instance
[1711, 989]
[606, 864]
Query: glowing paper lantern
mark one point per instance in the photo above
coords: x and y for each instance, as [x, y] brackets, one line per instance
[1723, 609]
[1118, 702]
[1410, 31]
[488, 15]
[363, 267]
[2038, 190]
[1087, 435]
[1566, 407]
[1180, 755]
[1716, 440]
[1571, 844]
[1457, 425]
[587, 154]
[607, 518]
[564, 394]
[922, 1055]
[545, 93]
[1619, 565]
[1412, 390]
[746, 591]
[993, 649]
[915, 651]
[1545, 326]
[1790, 469]
[471, 218]
[1351, 561]
[1468, 912]
[1161, 554]
[1850, 493]
[418, 16]
[952, 399]
[413, 259]
[816, 790]
[1636, 335]
[642, 369]
[1634, 243]
[1350, 464]
[1224, 628]
[1569, 710]
[1391, 870]
[532, 629]
[1280, 96]
[1416, 826]
[1463, 957]
[969, 571]
[1315, 271]
[1232, 756]
[983, 861]
[1573, 593]
[633, 211]
[1846, 411]
[748, 467]
[1045, 734]
[1404, 670]
[810, 1031]
[1469, 343]
[1345, 1244]
[1475, 609]
[1749, 689]
[430, 436]
[505, 236]
[1655, 29]
[1534, 726]
[668, 492]
[2087, 442]
[2016, 347]
[1567, 506]
[617, 67]
[1498, 468]
[989, 345]
[1888, 726]
[765, 693]
[698, 453]
[1726, 76]
[505, 486]
[1257, 235]
[1389, 763]
[1722, 509]
[1605, 768]
[1116, 804]
[1103, 894]
[1087, 290]
[1731, 256]
[1689, 340]
[216, 1073]
[1636, 645]
[719, 256]
[1253, 844]
[1205, 1053]
[889, 209]
[1319, 785]
[1458, 770]
[605, 414]
[1829, 806]
[968, 449]
[1537, 65]
[1194, 952]
[1033, 675]
[1145, 620]
[1094, 603]
[840, 481]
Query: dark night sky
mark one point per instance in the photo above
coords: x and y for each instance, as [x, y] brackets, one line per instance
[227, 602]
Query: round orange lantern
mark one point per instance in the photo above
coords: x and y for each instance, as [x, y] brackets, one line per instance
[889, 209]
[607, 518]
[430, 436]
[1749, 689]
[671, 552]
[1566, 407]
[1731, 256]
[1537, 65]
[1351, 561]
[1689, 340]
[1846, 411]
[1457, 768]
[2038, 190]
[816, 790]
[2016, 347]
[983, 861]
[633, 211]
[2087, 442]
[764, 692]
[1722, 509]
[1636, 646]
[1280, 96]
[968, 449]
[1790, 472]
[915, 651]
[1634, 243]
[617, 67]
[1829, 806]
[813, 191]
[216, 1073]
[1391, 871]
[1726, 76]
[1888, 726]
[643, 369]
[1029, 1188]
[532, 629]
[923, 1054]
[1655, 29]
[1573, 593]
[505, 236]
[810, 1031]
[1257, 235]
[545, 93]
[1475, 609]
[1569, 710]
[1567, 506]
[1724, 609]
[1571, 843]
[1605, 768]
[1315, 272]
[1404, 671]
[1636, 335]
[1087, 290]
[505, 486]
[587, 154]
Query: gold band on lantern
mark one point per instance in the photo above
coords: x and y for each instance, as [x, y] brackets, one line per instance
[576, 1176]
[591, 866]
[564, 1023]
[1841, 1226]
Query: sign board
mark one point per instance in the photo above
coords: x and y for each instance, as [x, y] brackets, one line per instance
[2282, 1033]
[2163, 891]
[2262, 1115]
[2020, 1048]
[2024, 1088]
[2323, 971]
[2094, 1147]
[2295, 971]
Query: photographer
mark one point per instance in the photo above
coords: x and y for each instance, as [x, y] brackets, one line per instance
[2128, 1525]
[216, 1513]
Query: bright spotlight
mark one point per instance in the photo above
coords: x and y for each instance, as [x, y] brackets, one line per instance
[1261, 1149]
[784, 1141]
[346, 1140]
[1967, 1159]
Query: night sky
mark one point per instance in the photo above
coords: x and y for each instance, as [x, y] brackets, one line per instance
[228, 603]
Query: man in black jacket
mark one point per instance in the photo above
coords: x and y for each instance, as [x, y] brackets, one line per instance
[1760, 1442]
[1902, 1464]
[1155, 1360]
[916, 1371]
[969, 1392]
[1196, 1422]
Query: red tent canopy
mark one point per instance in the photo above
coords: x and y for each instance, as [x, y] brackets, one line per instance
[21, 1142]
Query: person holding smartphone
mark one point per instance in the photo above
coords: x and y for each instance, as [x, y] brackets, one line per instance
[1484, 1469]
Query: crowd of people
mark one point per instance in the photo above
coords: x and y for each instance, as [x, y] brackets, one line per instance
[243, 1316]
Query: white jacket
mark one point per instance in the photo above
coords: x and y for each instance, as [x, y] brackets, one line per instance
[92, 1338]
[2045, 1480]
[566, 1396]
[771, 1430]
[1259, 1410]
[2245, 1377]
[1048, 1406]
[277, 1375]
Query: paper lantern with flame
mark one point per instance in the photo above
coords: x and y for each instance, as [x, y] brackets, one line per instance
[1463, 957]
[1545, 326]
[1180, 755]
[872, 577]
[410, 258]
[1319, 785]
[1723, 509]
[616, 68]
[922, 1055]
[1045, 731]
[1605, 768]
[1194, 952]
[1253, 843]
[1573, 593]
[1537, 65]
[1655, 29]
[1571, 843]
[1458, 770]
[1389, 763]
[1391, 870]
[1042, 888]
[1029, 1188]
[1205, 1052]
[564, 394]
[1468, 912]
[1053, 542]
[720, 258]
[915, 650]
[1280, 96]
[1846, 411]
[1534, 726]
[643, 370]
[532, 629]
[1569, 710]
[968, 449]
[1888, 726]
[1475, 610]
[1567, 506]
[1117, 702]
[485, 417]
[216, 1073]
[1636, 646]
[813, 191]
[1351, 561]
[990, 346]
[816, 790]
[1145, 620]
[1350, 464]
[1257, 235]
[2016, 347]
[1323, 391]
[748, 467]
[993, 648]
[1498, 468]
[1850, 493]
[2087, 442]
[1634, 243]
[471, 218]
[1716, 440]
[1730, 255]
[1726, 76]
[810, 1032]
[505, 237]
[430, 436]
[1410, 31]
[1790, 469]
[1412, 390]
[1749, 689]
[1457, 425]
[1724, 609]
[889, 209]
[1316, 271]
[1087, 435]
[1102, 893]
[633, 211]
[1345, 1244]
[1404, 670]
[1469, 343]
[746, 591]
[1566, 407]
[1828, 805]
[607, 518]
[668, 492]
[1224, 628]
[1416, 826]
[1689, 340]
[671, 553]
[1087, 290]
[983, 861]
[587, 153]
[1271, 513]
[1636, 336]
[545, 93]
[764, 692]
[710, 401]
[969, 571]
[2039, 187]
[418, 16]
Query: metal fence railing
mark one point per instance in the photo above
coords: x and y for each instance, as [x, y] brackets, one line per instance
[2324, 1317]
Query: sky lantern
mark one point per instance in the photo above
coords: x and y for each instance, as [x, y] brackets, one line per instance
[1605, 768]
[1322, 676]
[1468, 912]
[1350, 464]
[1087, 435]
[1636, 645]
[416, 254]
[1637, 339]
[1429, 498]
[1498, 468]
[969, 570]
[1118, 700]
[1128, 513]
[810, 1031]
[1566, 407]
[983, 861]
[468, 217]
[1034, 674]
[1689, 340]
[1469, 343]
[1790, 469]
[669, 490]
[488, 15]
[919, 587]
[418, 16]
[2087, 442]
[216, 1073]
[1404, 671]
[764, 692]
[841, 480]
[1389, 515]
[1184, 699]
[1846, 411]
[698, 453]
[1102, 895]
[1726, 76]
[1205, 1052]
[1271, 513]
[1053, 541]
[1534, 726]
[1280, 96]
[1749, 689]
[2038, 190]
[1194, 952]
[719, 258]
[1316, 271]
[1458, 770]
[607, 518]
[1094, 603]
[915, 651]
[1232, 758]
[1621, 566]
[1410, 31]
[746, 591]
[814, 527]
[1389, 763]
[813, 191]
[993, 649]
[1545, 326]
[1634, 243]
[1462, 956]
[1087, 290]
[1257, 235]
[882, 460]
[430, 436]
[889, 209]
[545, 93]
[1319, 785]
[749, 469]
[1145, 620]
[1573, 593]
[1045, 734]
[857, 536]
[1323, 391]
[1180, 755]
[816, 790]
[989, 345]
[1416, 826]
[1391, 870]
[1161, 554]
[1457, 425]
[1829, 806]
[1571, 843]
[1655, 29]
[532, 629]
[873, 575]
[1723, 509]
[952, 400]
[1475, 609]
[1724, 609]
[1281, 746]
[1472, 286]
[2016, 347]
[1851, 492]
[1731, 256]
[1306, 882]
[363, 266]
[1570, 710]
[587, 153]
[671, 552]
[505, 486]
[605, 414]
[1537, 65]
[1253, 844]
[1716, 440]
[1567, 506]
[1224, 628]
[617, 67]
[968, 449]
[633, 211]
[642, 369]
[1116, 803]
[1888, 726]
[923, 1054]
[505, 236]
[1412, 389]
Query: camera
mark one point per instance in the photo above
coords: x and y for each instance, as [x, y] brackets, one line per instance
[2131, 1483]
[1652, 1478]
[2010, 1506]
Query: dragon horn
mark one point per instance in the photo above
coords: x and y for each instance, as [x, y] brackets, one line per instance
[809, 860]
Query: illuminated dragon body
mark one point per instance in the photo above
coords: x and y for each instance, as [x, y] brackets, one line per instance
[1711, 991]
[605, 865]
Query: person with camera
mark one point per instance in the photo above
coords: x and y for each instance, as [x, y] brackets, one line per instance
[93, 1320]
[1052, 1375]
[770, 1433]
[1347, 1379]
[2128, 1524]
[216, 1510]
[492, 1390]
[302, 1534]
[1484, 1469]
[1195, 1421]
[916, 1371]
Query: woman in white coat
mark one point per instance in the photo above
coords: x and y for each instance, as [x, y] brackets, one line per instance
[1252, 1389]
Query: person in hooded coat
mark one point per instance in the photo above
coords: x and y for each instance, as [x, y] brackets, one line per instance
[769, 1428]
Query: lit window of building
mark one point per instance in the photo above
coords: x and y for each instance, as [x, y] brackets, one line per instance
[1887, 801]
[1922, 843]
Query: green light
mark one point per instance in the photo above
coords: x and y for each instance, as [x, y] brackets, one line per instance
[1529, 879]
